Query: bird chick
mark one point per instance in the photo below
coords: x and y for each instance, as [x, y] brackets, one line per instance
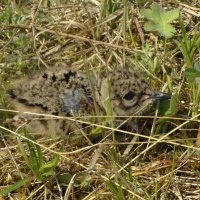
[71, 93]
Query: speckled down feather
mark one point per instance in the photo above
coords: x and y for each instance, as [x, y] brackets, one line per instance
[71, 93]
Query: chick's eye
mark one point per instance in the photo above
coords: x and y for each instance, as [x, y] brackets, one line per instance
[128, 96]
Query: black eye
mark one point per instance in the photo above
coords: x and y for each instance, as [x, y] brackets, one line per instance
[130, 95]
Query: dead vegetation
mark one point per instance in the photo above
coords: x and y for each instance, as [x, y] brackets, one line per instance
[102, 35]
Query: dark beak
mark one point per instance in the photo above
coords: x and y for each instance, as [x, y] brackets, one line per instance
[160, 95]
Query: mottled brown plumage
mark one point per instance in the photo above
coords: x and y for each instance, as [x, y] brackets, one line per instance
[70, 93]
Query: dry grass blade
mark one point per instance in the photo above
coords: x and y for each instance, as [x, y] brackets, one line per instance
[103, 158]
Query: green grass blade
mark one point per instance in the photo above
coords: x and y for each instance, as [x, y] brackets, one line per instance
[15, 186]
[24, 154]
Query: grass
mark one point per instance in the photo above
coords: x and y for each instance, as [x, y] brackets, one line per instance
[99, 36]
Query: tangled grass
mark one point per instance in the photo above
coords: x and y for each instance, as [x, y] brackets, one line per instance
[102, 35]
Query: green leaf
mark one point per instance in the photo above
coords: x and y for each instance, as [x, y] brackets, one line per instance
[65, 178]
[15, 186]
[116, 190]
[48, 167]
[24, 154]
[169, 107]
[48, 172]
[33, 156]
[35, 161]
[159, 20]
[192, 74]
[188, 45]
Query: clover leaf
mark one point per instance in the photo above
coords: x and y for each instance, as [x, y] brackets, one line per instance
[159, 20]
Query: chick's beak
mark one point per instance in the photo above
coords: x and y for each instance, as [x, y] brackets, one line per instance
[160, 95]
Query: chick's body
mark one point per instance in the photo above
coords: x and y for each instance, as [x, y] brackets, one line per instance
[71, 93]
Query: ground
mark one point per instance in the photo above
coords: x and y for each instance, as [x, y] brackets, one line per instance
[163, 40]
